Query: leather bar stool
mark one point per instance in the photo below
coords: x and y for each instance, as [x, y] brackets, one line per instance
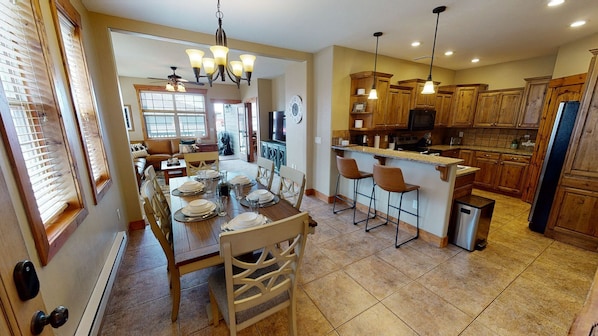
[390, 179]
[347, 168]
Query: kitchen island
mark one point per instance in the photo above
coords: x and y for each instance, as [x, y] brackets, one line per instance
[436, 176]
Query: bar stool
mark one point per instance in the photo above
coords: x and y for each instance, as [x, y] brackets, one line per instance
[391, 179]
[347, 168]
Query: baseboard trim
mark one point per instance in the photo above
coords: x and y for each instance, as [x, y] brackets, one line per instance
[96, 306]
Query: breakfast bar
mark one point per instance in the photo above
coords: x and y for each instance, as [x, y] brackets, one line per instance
[436, 175]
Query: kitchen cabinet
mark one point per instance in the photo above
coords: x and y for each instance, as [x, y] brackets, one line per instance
[532, 102]
[444, 101]
[512, 172]
[559, 90]
[468, 156]
[371, 112]
[398, 106]
[573, 215]
[419, 100]
[454, 153]
[488, 164]
[498, 108]
[464, 104]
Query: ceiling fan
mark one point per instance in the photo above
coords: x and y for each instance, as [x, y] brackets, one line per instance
[176, 82]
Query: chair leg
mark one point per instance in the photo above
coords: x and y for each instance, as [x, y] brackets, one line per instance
[292, 318]
[373, 198]
[334, 210]
[215, 310]
[397, 244]
[176, 293]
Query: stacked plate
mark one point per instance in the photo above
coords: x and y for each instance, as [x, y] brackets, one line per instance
[191, 186]
[208, 174]
[198, 207]
[244, 221]
[262, 195]
[240, 179]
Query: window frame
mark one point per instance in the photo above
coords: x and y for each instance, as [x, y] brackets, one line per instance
[161, 89]
[48, 237]
[87, 129]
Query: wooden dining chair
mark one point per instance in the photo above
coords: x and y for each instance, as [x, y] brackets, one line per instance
[150, 175]
[247, 292]
[265, 172]
[200, 161]
[292, 185]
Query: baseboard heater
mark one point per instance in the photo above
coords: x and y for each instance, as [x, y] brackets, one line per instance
[94, 311]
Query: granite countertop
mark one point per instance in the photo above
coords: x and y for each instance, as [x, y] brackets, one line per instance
[402, 155]
[483, 148]
[466, 170]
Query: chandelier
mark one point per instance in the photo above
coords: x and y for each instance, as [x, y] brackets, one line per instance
[175, 83]
[217, 67]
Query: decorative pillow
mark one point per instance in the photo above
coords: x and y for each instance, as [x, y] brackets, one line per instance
[187, 142]
[138, 150]
[184, 149]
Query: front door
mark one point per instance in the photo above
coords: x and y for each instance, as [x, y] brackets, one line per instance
[16, 314]
[245, 132]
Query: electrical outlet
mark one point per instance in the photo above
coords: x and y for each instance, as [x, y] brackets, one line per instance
[118, 213]
[414, 204]
[460, 134]
[318, 140]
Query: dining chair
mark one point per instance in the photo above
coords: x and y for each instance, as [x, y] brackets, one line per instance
[247, 292]
[292, 185]
[265, 172]
[150, 175]
[200, 161]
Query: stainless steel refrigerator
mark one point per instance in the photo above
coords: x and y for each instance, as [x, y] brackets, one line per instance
[553, 164]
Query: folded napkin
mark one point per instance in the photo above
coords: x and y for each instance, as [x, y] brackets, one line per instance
[261, 195]
[244, 221]
[240, 179]
[191, 186]
[208, 173]
[198, 207]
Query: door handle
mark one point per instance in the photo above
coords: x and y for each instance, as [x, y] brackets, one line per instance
[57, 318]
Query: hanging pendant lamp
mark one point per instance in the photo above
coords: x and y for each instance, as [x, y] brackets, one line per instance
[429, 86]
[373, 92]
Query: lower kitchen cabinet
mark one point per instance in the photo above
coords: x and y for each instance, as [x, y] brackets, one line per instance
[488, 164]
[467, 155]
[275, 151]
[504, 173]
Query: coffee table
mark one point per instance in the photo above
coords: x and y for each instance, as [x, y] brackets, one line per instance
[173, 170]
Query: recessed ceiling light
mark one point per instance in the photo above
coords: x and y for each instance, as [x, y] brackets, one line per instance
[577, 23]
[415, 44]
[553, 3]
[448, 53]
[475, 60]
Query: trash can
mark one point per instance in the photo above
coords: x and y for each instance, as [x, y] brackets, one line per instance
[471, 222]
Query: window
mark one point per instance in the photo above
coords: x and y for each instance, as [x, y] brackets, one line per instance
[173, 114]
[33, 131]
[70, 33]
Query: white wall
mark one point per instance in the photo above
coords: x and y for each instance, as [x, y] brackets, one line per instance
[296, 84]
[574, 58]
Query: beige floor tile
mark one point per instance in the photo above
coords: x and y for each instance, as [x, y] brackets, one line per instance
[148, 318]
[377, 320]
[425, 312]
[407, 260]
[315, 264]
[345, 250]
[551, 275]
[376, 276]
[339, 297]
[571, 259]
[323, 233]
[477, 329]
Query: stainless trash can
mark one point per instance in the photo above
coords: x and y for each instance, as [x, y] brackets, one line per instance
[471, 222]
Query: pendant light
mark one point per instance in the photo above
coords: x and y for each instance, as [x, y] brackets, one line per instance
[429, 86]
[373, 92]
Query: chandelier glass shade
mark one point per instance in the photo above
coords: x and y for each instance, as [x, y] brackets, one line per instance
[429, 86]
[218, 66]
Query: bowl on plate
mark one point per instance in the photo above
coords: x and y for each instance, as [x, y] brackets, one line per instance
[261, 195]
[191, 186]
[199, 207]
[245, 220]
[240, 179]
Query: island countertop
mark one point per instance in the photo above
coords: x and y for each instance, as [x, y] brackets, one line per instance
[402, 155]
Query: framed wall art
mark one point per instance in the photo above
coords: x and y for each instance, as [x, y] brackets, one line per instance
[128, 117]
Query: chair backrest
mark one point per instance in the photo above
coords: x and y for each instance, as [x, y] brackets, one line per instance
[200, 161]
[347, 167]
[292, 185]
[265, 172]
[272, 277]
[389, 178]
[150, 175]
[160, 223]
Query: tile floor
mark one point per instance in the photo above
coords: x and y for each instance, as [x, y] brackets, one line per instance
[357, 283]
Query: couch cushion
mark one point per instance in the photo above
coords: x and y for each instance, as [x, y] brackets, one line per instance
[161, 146]
[138, 150]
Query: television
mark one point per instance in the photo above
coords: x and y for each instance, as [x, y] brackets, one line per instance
[277, 126]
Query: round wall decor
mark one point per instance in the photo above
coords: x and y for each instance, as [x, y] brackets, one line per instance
[296, 108]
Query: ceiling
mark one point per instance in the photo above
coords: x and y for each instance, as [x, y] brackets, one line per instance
[495, 31]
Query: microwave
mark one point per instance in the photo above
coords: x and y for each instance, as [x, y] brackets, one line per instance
[421, 120]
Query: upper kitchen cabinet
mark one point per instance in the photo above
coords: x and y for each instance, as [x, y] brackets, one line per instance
[498, 108]
[398, 106]
[573, 215]
[532, 102]
[419, 100]
[444, 102]
[464, 104]
[366, 114]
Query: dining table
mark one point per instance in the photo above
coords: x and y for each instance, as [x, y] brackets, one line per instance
[196, 243]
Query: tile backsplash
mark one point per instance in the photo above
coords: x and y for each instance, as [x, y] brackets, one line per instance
[495, 137]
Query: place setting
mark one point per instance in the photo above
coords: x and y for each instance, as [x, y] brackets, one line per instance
[207, 174]
[260, 198]
[242, 180]
[197, 210]
[245, 220]
[189, 188]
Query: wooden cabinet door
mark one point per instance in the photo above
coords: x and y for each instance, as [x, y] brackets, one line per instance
[424, 101]
[467, 155]
[485, 115]
[454, 153]
[379, 105]
[573, 217]
[511, 174]
[488, 164]
[464, 104]
[532, 102]
[443, 108]
[508, 108]
[398, 102]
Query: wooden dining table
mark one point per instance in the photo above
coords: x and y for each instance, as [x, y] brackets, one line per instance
[196, 244]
